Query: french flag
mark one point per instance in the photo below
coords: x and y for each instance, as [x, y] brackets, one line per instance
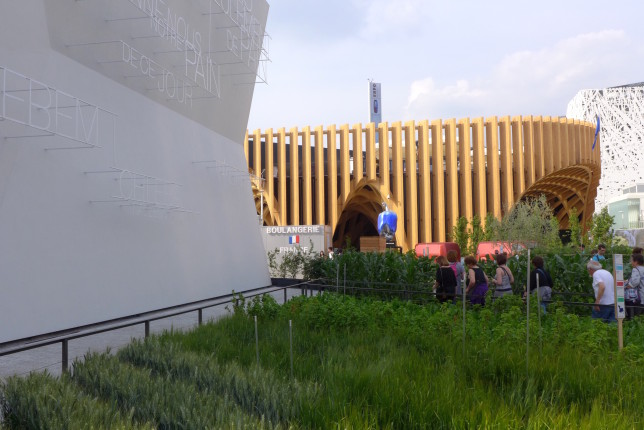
[293, 239]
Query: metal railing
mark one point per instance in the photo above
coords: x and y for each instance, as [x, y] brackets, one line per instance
[636, 224]
[64, 336]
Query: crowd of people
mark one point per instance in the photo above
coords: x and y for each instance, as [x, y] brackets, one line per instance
[452, 277]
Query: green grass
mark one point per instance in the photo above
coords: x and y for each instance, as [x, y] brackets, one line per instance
[361, 363]
[41, 401]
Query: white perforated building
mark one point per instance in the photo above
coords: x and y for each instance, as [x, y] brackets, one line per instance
[621, 113]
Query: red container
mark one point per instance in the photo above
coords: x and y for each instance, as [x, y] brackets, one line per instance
[492, 248]
[434, 249]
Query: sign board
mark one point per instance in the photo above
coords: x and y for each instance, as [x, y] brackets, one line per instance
[375, 103]
[296, 238]
[620, 305]
[618, 273]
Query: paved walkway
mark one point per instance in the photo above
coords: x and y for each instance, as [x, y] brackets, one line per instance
[50, 357]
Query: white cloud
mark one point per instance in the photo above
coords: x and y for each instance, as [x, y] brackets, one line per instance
[530, 82]
[426, 87]
[567, 62]
[391, 17]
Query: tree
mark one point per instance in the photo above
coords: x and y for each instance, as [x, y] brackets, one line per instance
[477, 234]
[575, 228]
[460, 234]
[601, 227]
[530, 221]
[491, 226]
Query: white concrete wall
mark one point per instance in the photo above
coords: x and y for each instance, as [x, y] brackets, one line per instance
[68, 257]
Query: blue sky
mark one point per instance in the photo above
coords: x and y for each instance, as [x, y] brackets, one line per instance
[442, 59]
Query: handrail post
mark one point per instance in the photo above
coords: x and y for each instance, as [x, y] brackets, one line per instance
[147, 329]
[200, 316]
[284, 294]
[65, 348]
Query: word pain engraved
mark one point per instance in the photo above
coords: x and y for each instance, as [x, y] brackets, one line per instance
[243, 40]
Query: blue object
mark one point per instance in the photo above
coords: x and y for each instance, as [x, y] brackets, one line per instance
[596, 133]
[387, 222]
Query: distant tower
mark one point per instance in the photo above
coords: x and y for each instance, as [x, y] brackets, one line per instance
[621, 113]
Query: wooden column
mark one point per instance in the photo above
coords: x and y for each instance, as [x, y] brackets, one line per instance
[425, 207]
[480, 180]
[295, 176]
[517, 157]
[451, 176]
[563, 142]
[318, 142]
[570, 130]
[345, 165]
[465, 171]
[268, 183]
[307, 177]
[257, 152]
[438, 182]
[557, 149]
[281, 176]
[358, 172]
[370, 136]
[507, 178]
[548, 145]
[493, 177]
[383, 155]
[411, 176]
[528, 155]
[332, 177]
[577, 140]
[397, 194]
[397, 162]
[540, 165]
[585, 143]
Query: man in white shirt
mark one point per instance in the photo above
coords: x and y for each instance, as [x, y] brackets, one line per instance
[604, 286]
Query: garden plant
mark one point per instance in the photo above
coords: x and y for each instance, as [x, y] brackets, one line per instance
[358, 362]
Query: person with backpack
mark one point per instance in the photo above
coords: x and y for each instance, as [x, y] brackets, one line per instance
[634, 288]
[601, 250]
[503, 278]
[477, 281]
[445, 284]
[540, 278]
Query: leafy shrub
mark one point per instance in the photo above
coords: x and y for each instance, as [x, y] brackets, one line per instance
[263, 305]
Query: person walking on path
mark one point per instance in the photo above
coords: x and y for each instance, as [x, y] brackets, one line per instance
[503, 278]
[445, 285]
[603, 284]
[477, 281]
[541, 278]
[634, 288]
